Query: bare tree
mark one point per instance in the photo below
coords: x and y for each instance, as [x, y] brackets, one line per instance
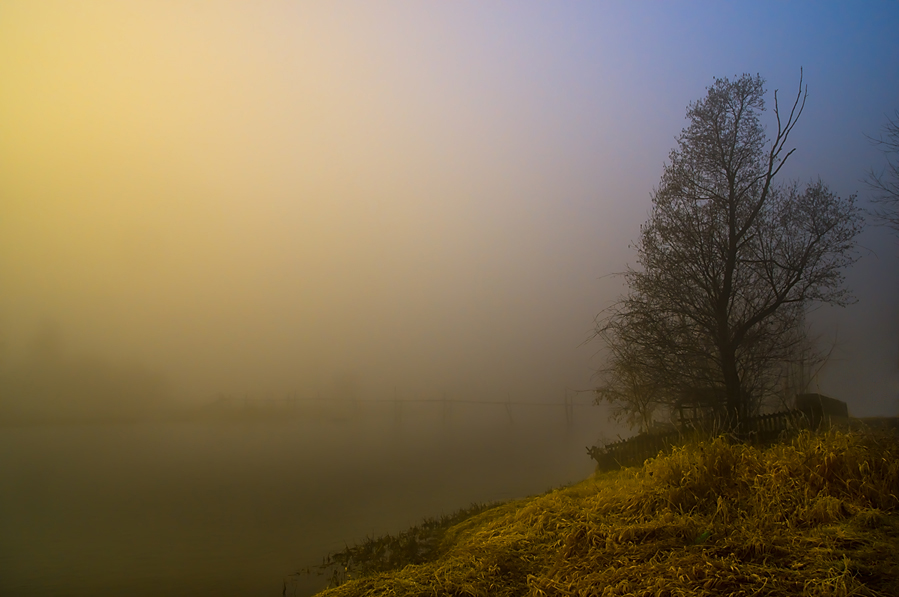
[886, 182]
[629, 387]
[729, 262]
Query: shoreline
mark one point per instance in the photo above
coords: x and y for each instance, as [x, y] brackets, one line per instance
[816, 516]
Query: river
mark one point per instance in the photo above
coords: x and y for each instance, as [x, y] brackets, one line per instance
[214, 507]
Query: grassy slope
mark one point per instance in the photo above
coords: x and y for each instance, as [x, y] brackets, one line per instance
[819, 516]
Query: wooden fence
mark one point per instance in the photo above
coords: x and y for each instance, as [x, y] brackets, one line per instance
[760, 430]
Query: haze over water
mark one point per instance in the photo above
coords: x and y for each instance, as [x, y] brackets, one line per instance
[342, 203]
[225, 507]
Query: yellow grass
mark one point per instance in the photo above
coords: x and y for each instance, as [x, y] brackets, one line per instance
[818, 516]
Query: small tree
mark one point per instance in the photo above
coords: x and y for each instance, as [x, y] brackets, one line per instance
[630, 388]
[886, 182]
[729, 262]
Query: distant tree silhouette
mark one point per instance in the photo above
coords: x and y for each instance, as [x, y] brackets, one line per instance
[728, 264]
[886, 182]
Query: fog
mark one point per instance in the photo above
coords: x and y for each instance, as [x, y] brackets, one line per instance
[262, 200]
[245, 204]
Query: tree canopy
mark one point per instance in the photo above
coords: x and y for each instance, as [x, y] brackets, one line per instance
[728, 264]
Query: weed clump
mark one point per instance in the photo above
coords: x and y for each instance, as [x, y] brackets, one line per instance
[422, 543]
[818, 516]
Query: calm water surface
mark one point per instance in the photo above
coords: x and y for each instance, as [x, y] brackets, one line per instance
[231, 508]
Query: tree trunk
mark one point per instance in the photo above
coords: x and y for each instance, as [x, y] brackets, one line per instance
[732, 388]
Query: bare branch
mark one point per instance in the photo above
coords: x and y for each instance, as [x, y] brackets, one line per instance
[728, 265]
[885, 183]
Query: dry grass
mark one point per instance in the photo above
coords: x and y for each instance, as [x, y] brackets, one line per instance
[819, 516]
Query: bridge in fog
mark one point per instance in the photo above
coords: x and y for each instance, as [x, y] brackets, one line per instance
[444, 408]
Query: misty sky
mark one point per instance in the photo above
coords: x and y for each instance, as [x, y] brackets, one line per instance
[423, 197]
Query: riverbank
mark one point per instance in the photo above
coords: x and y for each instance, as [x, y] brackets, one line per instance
[818, 516]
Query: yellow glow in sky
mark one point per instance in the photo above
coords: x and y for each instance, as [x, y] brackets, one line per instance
[261, 196]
